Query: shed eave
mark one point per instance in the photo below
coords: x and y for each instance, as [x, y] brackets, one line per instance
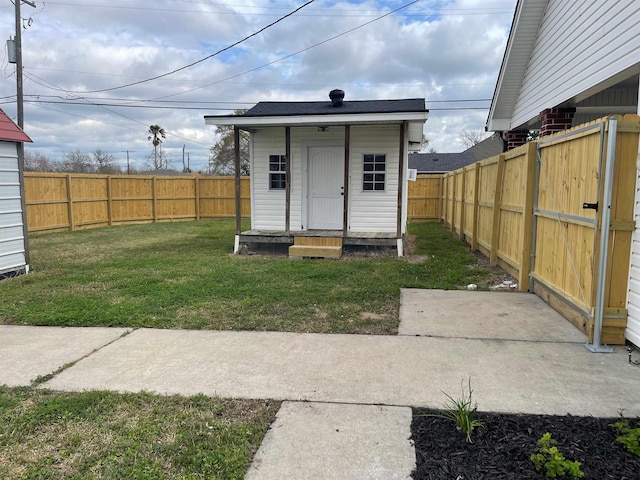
[313, 120]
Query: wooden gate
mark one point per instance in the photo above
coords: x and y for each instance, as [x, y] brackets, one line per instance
[568, 208]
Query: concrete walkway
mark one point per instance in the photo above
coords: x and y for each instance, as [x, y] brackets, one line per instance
[356, 389]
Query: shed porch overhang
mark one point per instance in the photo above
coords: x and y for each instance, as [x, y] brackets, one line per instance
[413, 120]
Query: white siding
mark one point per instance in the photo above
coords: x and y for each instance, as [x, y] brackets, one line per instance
[633, 293]
[368, 211]
[12, 241]
[268, 206]
[373, 211]
[579, 45]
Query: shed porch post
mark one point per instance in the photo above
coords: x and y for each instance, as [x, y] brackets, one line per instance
[236, 163]
[345, 188]
[400, 190]
[287, 176]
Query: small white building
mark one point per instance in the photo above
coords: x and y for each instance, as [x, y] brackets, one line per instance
[14, 242]
[328, 175]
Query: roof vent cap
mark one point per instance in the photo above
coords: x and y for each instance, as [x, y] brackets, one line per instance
[336, 97]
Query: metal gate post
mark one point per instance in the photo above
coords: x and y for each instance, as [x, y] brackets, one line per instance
[605, 225]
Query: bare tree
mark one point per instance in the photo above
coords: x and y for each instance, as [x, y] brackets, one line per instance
[76, 162]
[104, 162]
[160, 160]
[473, 137]
[37, 162]
[222, 154]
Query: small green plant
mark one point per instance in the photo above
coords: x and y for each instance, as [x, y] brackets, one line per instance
[462, 412]
[627, 436]
[552, 461]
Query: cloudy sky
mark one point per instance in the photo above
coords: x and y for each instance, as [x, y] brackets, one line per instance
[86, 63]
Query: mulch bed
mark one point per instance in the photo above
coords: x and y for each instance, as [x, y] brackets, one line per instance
[503, 449]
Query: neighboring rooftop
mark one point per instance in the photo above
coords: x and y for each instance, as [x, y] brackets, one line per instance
[489, 147]
[447, 162]
[9, 131]
[439, 162]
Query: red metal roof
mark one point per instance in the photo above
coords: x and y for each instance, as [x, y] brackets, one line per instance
[10, 132]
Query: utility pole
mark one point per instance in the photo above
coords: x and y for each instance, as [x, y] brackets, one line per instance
[128, 165]
[20, 112]
[19, 90]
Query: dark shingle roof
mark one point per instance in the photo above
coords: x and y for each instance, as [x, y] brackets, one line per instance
[278, 109]
[489, 147]
[439, 162]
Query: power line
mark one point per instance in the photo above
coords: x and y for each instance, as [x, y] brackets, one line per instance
[294, 53]
[349, 12]
[205, 109]
[202, 59]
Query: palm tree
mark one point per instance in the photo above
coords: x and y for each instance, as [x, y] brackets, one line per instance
[157, 132]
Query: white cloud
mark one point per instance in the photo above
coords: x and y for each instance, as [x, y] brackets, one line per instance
[440, 50]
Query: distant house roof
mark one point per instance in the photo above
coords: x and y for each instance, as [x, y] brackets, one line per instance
[489, 147]
[439, 162]
[447, 162]
[9, 131]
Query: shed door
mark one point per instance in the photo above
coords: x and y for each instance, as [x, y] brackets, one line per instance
[325, 188]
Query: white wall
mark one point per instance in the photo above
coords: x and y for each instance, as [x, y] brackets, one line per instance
[580, 44]
[12, 241]
[369, 211]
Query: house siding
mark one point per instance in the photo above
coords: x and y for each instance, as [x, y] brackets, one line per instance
[579, 45]
[368, 211]
[373, 211]
[633, 290]
[12, 241]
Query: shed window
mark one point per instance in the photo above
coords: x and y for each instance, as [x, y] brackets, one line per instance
[374, 168]
[277, 172]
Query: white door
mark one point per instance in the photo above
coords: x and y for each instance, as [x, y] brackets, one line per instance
[325, 188]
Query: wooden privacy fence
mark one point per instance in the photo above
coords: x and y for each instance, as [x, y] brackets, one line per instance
[58, 202]
[425, 198]
[525, 210]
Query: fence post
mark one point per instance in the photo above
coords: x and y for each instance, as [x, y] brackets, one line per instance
[527, 218]
[476, 194]
[197, 191]
[440, 194]
[154, 193]
[70, 203]
[443, 210]
[497, 203]
[463, 202]
[453, 201]
[109, 214]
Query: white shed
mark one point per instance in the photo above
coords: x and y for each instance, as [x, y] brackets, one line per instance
[566, 63]
[328, 175]
[14, 247]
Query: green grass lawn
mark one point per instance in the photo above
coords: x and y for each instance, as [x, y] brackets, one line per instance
[183, 275]
[112, 436]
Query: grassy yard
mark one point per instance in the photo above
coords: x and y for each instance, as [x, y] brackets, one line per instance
[108, 435]
[183, 275]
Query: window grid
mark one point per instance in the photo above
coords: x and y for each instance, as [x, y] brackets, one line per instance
[374, 172]
[277, 172]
